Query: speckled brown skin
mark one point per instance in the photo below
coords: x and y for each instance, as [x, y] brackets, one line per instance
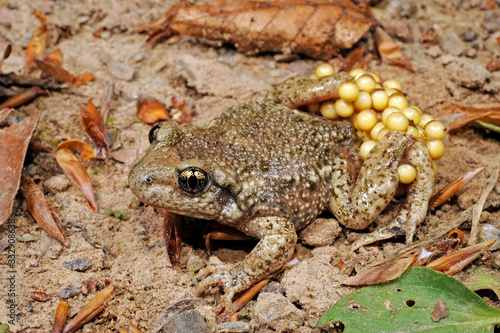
[271, 170]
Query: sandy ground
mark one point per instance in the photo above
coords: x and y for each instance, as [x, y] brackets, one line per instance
[211, 78]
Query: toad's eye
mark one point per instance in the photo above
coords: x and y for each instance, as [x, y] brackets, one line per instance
[152, 132]
[193, 180]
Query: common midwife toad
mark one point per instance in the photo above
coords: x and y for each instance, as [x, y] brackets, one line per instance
[267, 170]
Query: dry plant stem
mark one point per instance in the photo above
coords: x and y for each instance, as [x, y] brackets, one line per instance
[133, 328]
[122, 330]
[248, 295]
[61, 316]
[89, 311]
[452, 188]
[105, 109]
[22, 98]
[478, 207]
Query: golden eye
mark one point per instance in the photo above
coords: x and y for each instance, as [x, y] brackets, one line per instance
[193, 180]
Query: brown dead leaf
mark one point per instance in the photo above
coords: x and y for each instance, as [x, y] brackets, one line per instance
[4, 113]
[317, 30]
[448, 243]
[221, 232]
[14, 144]
[150, 110]
[440, 311]
[248, 295]
[39, 296]
[382, 273]
[60, 74]
[6, 54]
[492, 66]
[55, 57]
[37, 43]
[92, 309]
[93, 124]
[26, 96]
[61, 316]
[455, 116]
[133, 328]
[172, 225]
[41, 212]
[74, 169]
[452, 188]
[454, 262]
[389, 51]
[36, 146]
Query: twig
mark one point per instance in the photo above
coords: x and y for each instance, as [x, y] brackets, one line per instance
[95, 244]
[478, 207]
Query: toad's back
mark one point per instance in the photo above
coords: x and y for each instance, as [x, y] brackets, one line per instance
[283, 158]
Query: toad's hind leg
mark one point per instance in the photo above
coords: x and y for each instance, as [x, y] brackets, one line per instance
[302, 90]
[357, 205]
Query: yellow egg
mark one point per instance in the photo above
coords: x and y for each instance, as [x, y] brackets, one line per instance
[327, 110]
[436, 148]
[397, 121]
[387, 111]
[348, 91]
[366, 119]
[366, 147]
[392, 83]
[412, 114]
[435, 129]
[380, 100]
[392, 91]
[375, 76]
[424, 119]
[382, 133]
[356, 72]
[324, 69]
[412, 130]
[366, 82]
[363, 102]
[375, 129]
[343, 108]
[398, 100]
[407, 173]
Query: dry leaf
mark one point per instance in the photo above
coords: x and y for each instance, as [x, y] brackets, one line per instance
[221, 232]
[248, 295]
[37, 43]
[150, 110]
[455, 116]
[93, 124]
[22, 98]
[452, 188]
[61, 316]
[92, 309]
[6, 54]
[382, 273]
[389, 51]
[133, 328]
[60, 74]
[454, 262]
[40, 210]
[55, 57]
[318, 30]
[74, 169]
[15, 140]
[4, 113]
[492, 66]
[39, 296]
[172, 224]
[36, 146]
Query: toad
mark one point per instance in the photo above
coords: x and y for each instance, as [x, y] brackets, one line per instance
[268, 169]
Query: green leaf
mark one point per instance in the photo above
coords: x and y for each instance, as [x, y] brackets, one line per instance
[488, 126]
[120, 215]
[481, 279]
[407, 304]
[29, 239]
[108, 211]
[4, 328]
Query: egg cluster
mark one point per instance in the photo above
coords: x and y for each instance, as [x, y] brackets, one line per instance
[375, 108]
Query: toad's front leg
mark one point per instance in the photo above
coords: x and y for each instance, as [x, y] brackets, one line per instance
[277, 243]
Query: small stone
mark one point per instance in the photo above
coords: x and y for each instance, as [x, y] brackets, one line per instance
[491, 22]
[321, 232]
[79, 265]
[272, 287]
[234, 327]
[469, 35]
[194, 264]
[57, 183]
[491, 44]
[276, 312]
[186, 322]
[471, 52]
[446, 59]
[452, 44]
[434, 51]
[76, 284]
[66, 293]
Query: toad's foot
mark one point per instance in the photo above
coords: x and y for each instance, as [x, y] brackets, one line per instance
[277, 243]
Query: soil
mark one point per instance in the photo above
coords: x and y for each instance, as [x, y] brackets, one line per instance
[211, 77]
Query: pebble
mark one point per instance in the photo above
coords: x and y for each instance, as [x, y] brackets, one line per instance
[276, 312]
[321, 232]
[57, 183]
[234, 327]
[66, 293]
[79, 265]
[186, 322]
[194, 264]
[434, 51]
[469, 35]
[491, 22]
[451, 43]
[491, 44]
